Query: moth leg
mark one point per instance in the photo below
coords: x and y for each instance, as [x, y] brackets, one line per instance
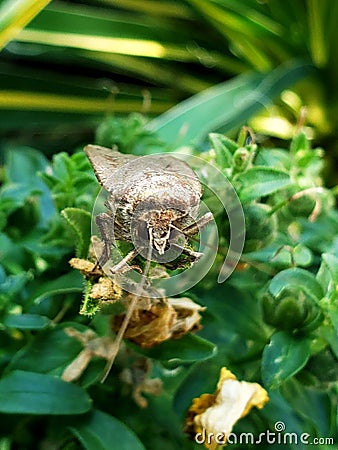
[121, 266]
[194, 228]
[195, 256]
[105, 224]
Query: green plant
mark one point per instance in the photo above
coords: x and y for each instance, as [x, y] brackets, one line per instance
[274, 321]
[67, 63]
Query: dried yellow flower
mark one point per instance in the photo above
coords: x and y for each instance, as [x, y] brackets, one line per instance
[213, 418]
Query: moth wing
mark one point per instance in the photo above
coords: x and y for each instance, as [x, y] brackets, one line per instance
[105, 162]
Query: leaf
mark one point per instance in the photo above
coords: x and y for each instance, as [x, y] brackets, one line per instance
[14, 284]
[80, 222]
[283, 357]
[224, 148]
[296, 277]
[34, 393]
[224, 106]
[37, 354]
[22, 165]
[99, 431]
[258, 182]
[26, 321]
[187, 349]
[70, 282]
[312, 405]
[15, 14]
[202, 378]
[327, 274]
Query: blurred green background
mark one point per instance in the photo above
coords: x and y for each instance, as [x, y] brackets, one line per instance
[65, 65]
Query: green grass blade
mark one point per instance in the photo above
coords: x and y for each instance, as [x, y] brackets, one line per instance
[317, 31]
[169, 8]
[225, 106]
[15, 15]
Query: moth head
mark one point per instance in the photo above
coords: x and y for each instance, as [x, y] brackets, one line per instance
[159, 225]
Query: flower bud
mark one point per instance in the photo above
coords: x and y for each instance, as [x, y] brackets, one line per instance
[241, 158]
[291, 309]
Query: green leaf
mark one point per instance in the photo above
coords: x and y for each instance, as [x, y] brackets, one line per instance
[22, 165]
[201, 378]
[13, 284]
[26, 321]
[37, 354]
[80, 221]
[187, 349]
[283, 357]
[296, 277]
[99, 431]
[258, 182]
[224, 148]
[15, 14]
[70, 282]
[35, 393]
[327, 274]
[224, 106]
[313, 406]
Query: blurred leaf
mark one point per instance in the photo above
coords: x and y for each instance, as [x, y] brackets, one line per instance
[13, 285]
[283, 357]
[314, 406]
[221, 146]
[35, 393]
[40, 97]
[99, 431]
[15, 14]
[201, 378]
[226, 324]
[328, 273]
[37, 354]
[22, 165]
[296, 277]
[26, 321]
[187, 349]
[224, 106]
[80, 221]
[70, 282]
[258, 182]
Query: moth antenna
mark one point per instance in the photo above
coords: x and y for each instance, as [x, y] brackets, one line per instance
[126, 320]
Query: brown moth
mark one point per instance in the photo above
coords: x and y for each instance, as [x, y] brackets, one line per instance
[153, 202]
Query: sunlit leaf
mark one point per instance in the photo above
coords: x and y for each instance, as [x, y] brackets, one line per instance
[15, 14]
[225, 106]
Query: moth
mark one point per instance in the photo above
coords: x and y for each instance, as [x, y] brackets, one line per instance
[153, 202]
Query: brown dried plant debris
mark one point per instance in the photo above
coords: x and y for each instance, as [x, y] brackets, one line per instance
[138, 376]
[163, 319]
[93, 346]
[155, 319]
[101, 288]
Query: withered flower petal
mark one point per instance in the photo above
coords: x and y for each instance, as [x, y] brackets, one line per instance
[233, 400]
